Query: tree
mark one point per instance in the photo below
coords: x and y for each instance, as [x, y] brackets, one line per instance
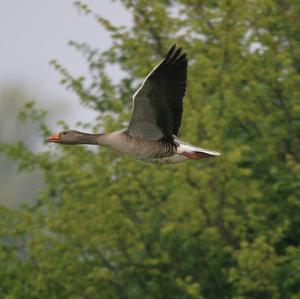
[111, 227]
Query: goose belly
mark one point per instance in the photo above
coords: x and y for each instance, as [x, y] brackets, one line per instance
[175, 158]
[150, 151]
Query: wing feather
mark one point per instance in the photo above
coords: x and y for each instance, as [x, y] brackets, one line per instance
[158, 103]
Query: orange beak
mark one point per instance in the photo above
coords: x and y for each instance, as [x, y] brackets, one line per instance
[54, 138]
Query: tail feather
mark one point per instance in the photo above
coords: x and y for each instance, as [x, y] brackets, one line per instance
[199, 155]
[193, 152]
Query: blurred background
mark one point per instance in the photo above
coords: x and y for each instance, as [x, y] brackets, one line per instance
[34, 33]
[82, 222]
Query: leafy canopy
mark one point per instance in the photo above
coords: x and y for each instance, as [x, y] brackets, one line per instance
[111, 227]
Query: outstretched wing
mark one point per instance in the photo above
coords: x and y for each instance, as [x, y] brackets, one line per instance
[158, 103]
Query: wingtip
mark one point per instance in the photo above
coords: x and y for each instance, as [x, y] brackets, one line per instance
[171, 51]
[177, 53]
[173, 46]
[174, 53]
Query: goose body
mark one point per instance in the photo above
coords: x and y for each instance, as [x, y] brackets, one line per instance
[156, 118]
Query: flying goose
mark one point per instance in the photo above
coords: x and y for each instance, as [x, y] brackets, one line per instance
[151, 135]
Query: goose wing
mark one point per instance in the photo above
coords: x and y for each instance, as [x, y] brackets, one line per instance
[158, 103]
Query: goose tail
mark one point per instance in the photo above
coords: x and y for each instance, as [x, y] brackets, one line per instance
[195, 153]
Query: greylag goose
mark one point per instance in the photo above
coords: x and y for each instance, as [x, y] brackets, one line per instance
[151, 135]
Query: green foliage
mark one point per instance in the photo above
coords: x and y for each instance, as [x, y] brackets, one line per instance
[111, 227]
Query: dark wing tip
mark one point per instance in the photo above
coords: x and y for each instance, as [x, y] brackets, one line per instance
[172, 48]
[170, 53]
[177, 52]
[174, 55]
